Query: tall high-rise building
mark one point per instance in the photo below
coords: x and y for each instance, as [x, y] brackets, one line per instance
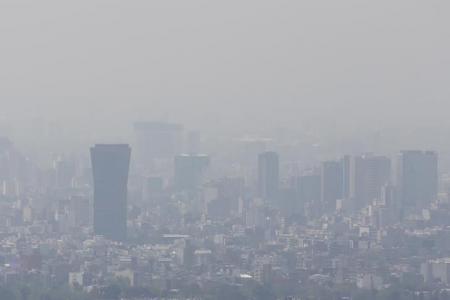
[307, 189]
[110, 165]
[346, 162]
[331, 184]
[64, 172]
[228, 196]
[369, 173]
[268, 176]
[417, 178]
[189, 171]
[157, 140]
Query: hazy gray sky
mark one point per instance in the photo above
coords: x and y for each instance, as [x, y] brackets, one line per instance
[338, 63]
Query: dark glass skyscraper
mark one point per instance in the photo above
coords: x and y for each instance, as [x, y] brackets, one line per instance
[417, 178]
[268, 176]
[369, 174]
[308, 189]
[331, 184]
[110, 165]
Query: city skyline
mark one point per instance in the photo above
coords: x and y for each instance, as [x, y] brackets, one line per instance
[224, 150]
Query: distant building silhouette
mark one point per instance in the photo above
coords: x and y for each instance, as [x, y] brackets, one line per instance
[189, 171]
[417, 178]
[369, 174]
[110, 165]
[308, 190]
[193, 142]
[64, 172]
[229, 194]
[346, 162]
[268, 176]
[331, 184]
[157, 140]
